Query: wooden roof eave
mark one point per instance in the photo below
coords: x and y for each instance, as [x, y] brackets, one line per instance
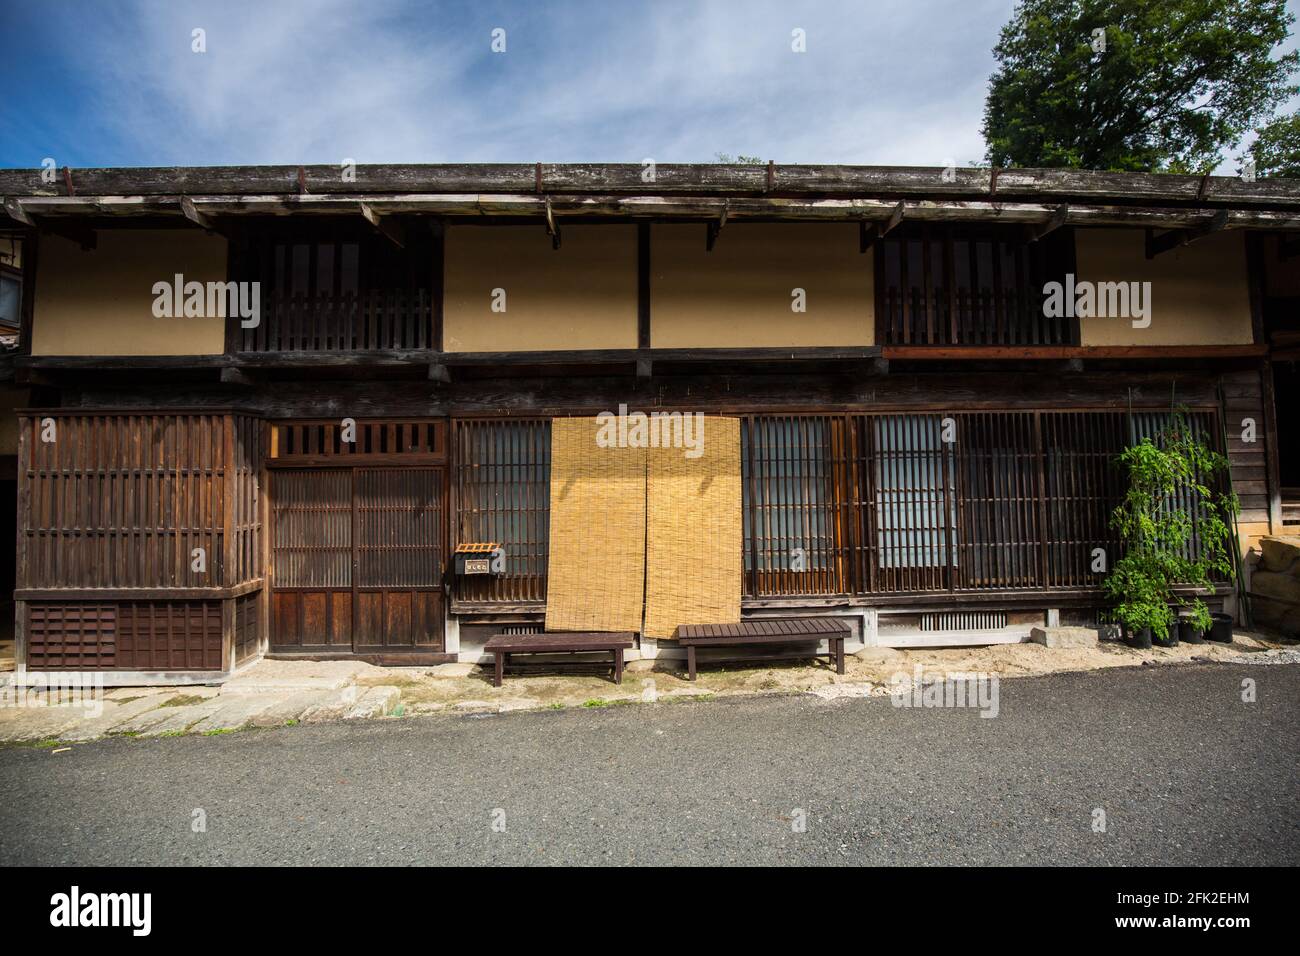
[667, 179]
[663, 208]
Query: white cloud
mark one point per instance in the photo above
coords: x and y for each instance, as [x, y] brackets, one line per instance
[286, 83]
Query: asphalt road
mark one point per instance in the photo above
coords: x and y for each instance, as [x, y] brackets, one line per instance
[1185, 772]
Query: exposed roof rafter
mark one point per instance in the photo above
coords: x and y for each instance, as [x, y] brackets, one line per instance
[384, 225]
[869, 232]
[1158, 245]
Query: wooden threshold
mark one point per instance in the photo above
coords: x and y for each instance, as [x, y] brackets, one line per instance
[1059, 352]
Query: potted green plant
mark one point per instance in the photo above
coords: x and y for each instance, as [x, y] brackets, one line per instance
[1174, 526]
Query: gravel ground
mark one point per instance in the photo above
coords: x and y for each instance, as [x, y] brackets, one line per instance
[1184, 770]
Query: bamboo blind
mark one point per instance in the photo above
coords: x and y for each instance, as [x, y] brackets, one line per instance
[596, 579]
[693, 533]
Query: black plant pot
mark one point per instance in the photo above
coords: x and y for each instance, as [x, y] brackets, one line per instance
[1169, 640]
[1222, 629]
[1189, 633]
[1141, 639]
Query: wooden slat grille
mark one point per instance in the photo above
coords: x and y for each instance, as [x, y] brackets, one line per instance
[312, 545]
[399, 527]
[794, 471]
[917, 503]
[389, 440]
[123, 500]
[335, 287]
[945, 284]
[502, 488]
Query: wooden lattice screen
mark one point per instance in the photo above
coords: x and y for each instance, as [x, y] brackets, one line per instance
[503, 495]
[940, 284]
[112, 500]
[135, 530]
[335, 287]
[902, 503]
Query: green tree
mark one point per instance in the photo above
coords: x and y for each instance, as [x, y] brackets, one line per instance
[1277, 151]
[1177, 82]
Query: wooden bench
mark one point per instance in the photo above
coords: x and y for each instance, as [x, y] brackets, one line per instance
[559, 642]
[776, 631]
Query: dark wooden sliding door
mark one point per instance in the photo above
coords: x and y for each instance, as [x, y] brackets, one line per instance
[357, 559]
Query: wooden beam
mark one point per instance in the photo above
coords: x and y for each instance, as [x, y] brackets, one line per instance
[713, 230]
[439, 372]
[1060, 352]
[868, 233]
[643, 337]
[384, 225]
[700, 179]
[1056, 221]
[1158, 245]
[661, 207]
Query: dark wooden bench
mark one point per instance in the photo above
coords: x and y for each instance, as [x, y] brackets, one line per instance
[776, 631]
[559, 642]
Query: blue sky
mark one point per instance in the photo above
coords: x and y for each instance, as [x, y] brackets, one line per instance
[117, 83]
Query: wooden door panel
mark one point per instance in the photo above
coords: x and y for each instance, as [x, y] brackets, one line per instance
[358, 558]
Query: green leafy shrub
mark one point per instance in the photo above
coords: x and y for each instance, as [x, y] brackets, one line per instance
[1175, 528]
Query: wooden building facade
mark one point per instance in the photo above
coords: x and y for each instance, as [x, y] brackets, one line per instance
[924, 446]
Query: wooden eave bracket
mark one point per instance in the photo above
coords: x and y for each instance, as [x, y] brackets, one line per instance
[82, 235]
[1055, 222]
[714, 229]
[14, 209]
[552, 229]
[1174, 238]
[869, 232]
[384, 225]
[200, 219]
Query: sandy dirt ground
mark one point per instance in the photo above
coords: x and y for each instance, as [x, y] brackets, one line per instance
[870, 671]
